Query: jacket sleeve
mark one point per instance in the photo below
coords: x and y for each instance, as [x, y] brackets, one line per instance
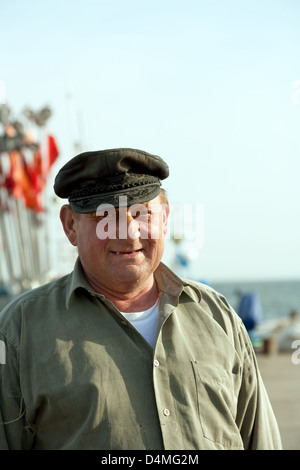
[12, 423]
[255, 417]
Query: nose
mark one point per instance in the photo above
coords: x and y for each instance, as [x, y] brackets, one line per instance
[133, 228]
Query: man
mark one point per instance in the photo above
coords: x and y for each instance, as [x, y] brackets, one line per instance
[122, 354]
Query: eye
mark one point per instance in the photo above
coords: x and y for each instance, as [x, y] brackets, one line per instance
[143, 215]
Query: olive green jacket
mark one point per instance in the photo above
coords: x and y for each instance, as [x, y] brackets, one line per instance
[77, 375]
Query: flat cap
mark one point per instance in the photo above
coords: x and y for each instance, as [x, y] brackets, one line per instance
[101, 177]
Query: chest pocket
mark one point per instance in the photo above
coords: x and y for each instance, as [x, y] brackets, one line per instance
[217, 405]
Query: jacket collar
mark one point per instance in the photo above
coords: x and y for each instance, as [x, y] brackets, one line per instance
[167, 282]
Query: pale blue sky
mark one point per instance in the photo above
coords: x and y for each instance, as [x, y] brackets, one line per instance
[207, 85]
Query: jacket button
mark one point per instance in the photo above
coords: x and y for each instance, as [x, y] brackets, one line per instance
[166, 412]
[156, 362]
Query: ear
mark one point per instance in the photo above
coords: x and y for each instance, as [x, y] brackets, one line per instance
[69, 223]
[166, 213]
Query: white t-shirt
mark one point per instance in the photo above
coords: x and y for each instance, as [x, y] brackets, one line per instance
[145, 322]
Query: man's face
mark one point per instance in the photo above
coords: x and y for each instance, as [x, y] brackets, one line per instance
[119, 249]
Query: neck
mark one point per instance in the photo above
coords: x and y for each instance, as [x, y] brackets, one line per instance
[131, 300]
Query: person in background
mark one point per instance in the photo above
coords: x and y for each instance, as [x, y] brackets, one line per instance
[250, 310]
[122, 354]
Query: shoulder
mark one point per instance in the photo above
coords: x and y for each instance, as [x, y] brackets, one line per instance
[218, 315]
[214, 305]
[207, 294]
[26, 304]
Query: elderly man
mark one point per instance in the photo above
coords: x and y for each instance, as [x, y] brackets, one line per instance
[122, 354]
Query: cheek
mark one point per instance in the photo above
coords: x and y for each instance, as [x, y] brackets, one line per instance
[88, 244]
[156, 248]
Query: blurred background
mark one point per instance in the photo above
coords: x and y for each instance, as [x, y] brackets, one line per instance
[213, 87]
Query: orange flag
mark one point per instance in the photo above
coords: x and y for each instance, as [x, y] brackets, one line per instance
[23, 186]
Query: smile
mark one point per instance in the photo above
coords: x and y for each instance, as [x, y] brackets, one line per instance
[127, 253]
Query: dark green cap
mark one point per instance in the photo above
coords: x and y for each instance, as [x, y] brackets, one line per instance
[101, 177]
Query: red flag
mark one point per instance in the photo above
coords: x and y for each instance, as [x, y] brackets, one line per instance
[53, 150]
[44, 158]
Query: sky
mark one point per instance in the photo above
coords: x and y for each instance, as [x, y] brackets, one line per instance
[211, 86]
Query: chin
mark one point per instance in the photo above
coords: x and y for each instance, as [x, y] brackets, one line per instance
[129, 274]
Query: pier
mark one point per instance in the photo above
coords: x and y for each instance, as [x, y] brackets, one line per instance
[282, 380]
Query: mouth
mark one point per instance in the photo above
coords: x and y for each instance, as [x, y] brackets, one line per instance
[127, 253]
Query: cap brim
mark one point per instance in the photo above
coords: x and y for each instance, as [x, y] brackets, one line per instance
[124, 198]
